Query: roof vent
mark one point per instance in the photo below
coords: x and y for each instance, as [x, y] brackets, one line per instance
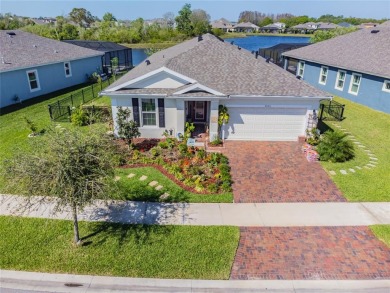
[257, 54]
[55, 51]
[232, 42]
[268, 60]
[10, 34]
[35, 46]
[239, 48]
[2, 60]
[147, 61]
[253, 52]
[200, 38]
[375, 31]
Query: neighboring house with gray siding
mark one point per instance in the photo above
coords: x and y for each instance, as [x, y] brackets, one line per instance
[189, 81]
[354, 66]
[32, 66]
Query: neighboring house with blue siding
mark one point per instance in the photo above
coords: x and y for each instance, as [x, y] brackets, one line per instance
[32, 66]
[355, 66]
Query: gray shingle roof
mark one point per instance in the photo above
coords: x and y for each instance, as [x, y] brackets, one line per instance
[385, 24]
[361, 51]
[224, 68]
[246, 25]
[24, 50]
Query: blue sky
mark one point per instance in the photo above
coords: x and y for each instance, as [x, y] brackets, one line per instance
[131, 9]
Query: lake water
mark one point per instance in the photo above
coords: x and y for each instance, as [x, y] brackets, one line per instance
[258, 42]
[250, 43]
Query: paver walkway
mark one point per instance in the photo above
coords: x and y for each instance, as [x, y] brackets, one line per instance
[314, 253]
[277, 172]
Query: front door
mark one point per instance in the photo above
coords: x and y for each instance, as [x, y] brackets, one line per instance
[200, 111]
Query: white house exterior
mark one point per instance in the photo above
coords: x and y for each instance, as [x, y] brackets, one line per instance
[188, 82]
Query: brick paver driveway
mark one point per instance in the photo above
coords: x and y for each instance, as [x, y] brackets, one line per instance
[277, 172]
[302, 253]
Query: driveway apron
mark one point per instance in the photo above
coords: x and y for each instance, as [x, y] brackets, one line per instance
[277, 172]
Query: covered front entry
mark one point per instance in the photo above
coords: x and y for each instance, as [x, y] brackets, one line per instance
[265, 123]
[197, 112]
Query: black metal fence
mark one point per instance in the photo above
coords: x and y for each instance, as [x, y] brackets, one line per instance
[62, 109]
[331, 110]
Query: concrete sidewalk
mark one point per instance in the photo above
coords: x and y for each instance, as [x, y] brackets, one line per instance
[43, 282]
[246, 214]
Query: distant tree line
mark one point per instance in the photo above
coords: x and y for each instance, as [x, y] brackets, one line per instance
[81, 24]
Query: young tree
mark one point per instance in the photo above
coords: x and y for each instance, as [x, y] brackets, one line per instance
[73, 167]
[320, 36]
[200, 21]
[183, 20]
[127, 129]
[82, 17]
[109, 17]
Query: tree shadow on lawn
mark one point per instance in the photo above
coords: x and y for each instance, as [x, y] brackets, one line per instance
[103, 232]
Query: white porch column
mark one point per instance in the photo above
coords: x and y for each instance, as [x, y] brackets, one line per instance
[213, 127]
[180, 118]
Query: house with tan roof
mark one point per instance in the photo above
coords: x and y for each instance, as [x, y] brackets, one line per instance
[222, 24]
[246, 27]
[188, 82]
[32, 66]
[355, 66]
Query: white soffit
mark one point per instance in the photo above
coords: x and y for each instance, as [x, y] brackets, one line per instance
[199, 87]
[128, 84]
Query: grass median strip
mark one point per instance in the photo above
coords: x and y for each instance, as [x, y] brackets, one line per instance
[118, 250]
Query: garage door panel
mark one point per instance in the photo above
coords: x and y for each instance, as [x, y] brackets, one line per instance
[265, 123]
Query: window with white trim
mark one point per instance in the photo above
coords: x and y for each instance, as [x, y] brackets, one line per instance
[340, 80]
[149, 112]
[301, 68]
[386, 86]
[33, 80]
[68, 70]
[323, 75]
[355, 83]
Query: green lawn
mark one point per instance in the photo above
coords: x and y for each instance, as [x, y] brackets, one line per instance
[372, 129]
[14, 131]
[134, 189]
[118, 250]
[382, 232]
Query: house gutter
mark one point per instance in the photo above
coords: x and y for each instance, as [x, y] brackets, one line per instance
[111, 94]
[281, 97]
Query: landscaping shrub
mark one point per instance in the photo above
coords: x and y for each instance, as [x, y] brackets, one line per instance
[212, 188]
[163, 145]
[216, 141]
[335, 147]
[183, 149]
[313, 136]
[201, 154]
[79, 117]
[226, 186]
[155, 151]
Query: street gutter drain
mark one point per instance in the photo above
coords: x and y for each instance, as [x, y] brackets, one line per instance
[73, 285]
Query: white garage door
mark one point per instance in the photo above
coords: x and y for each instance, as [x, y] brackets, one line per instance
[274, 124]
